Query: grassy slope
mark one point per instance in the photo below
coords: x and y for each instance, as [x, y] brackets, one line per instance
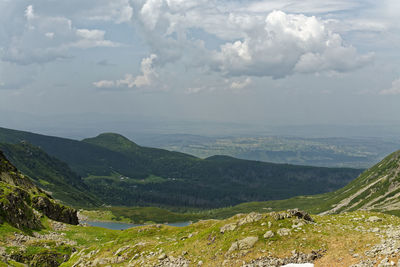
[141, 215]
[161, 215]
[339, 235]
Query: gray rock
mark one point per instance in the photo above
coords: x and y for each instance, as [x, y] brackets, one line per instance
[100, 261]
[250, 218]
[298, 225]
[243, 244]
[295, 258]
[170, 262]
[365, 263]
[162, 256]
[292, 213]
[227, 227]
[374, 219]
[284, 232]
[120, 250]
[268, 234]
[300, 214]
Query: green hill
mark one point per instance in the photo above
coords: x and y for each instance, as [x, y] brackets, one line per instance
[50, 174]
[114, 142]
[376, 189]
[213, 182]
[120, 172]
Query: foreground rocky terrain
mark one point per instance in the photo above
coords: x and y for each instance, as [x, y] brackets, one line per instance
[271, 239]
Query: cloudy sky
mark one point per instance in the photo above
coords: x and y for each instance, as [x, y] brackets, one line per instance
[259, 61]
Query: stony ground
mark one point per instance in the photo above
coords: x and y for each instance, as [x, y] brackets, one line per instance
[250, 240]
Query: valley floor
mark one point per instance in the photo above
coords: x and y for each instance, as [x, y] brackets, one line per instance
[255, 239]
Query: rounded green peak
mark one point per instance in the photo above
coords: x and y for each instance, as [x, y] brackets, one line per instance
[112, 135]
[112, 141]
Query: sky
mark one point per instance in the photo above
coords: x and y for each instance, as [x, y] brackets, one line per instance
[264, 62]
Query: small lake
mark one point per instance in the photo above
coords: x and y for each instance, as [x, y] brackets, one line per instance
[123, 226]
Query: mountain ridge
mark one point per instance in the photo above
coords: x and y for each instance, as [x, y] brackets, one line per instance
[49, 173]
[120, 172]
[112, 141]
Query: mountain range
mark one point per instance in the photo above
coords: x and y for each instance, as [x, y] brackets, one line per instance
[110, 169]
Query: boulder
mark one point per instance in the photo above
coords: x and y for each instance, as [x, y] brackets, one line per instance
[227, 227]
[300, 214]
[246, 243]
[292, 213]
[284, 232]
[374, 219]
[269, 234]
[162, 257]
[250, 218]
[297, 224]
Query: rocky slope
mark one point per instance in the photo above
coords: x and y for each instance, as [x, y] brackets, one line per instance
[377, 189]
[22, 204]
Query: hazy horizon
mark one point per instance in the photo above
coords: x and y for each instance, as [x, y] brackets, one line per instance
[79, 126]
[264, 67]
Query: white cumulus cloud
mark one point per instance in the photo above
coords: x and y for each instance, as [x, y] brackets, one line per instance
[29, 13]
[104, 84]
[117, 11]
[241, 84]
[276, 44]
[394, 90]
[288, 44]
[147, 77]
[44, 38]
[92, 38]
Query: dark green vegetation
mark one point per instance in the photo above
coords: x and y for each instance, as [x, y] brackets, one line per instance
[119, 172]
[141, 215]
[376, 189]
[325, 152]
[50, 174]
